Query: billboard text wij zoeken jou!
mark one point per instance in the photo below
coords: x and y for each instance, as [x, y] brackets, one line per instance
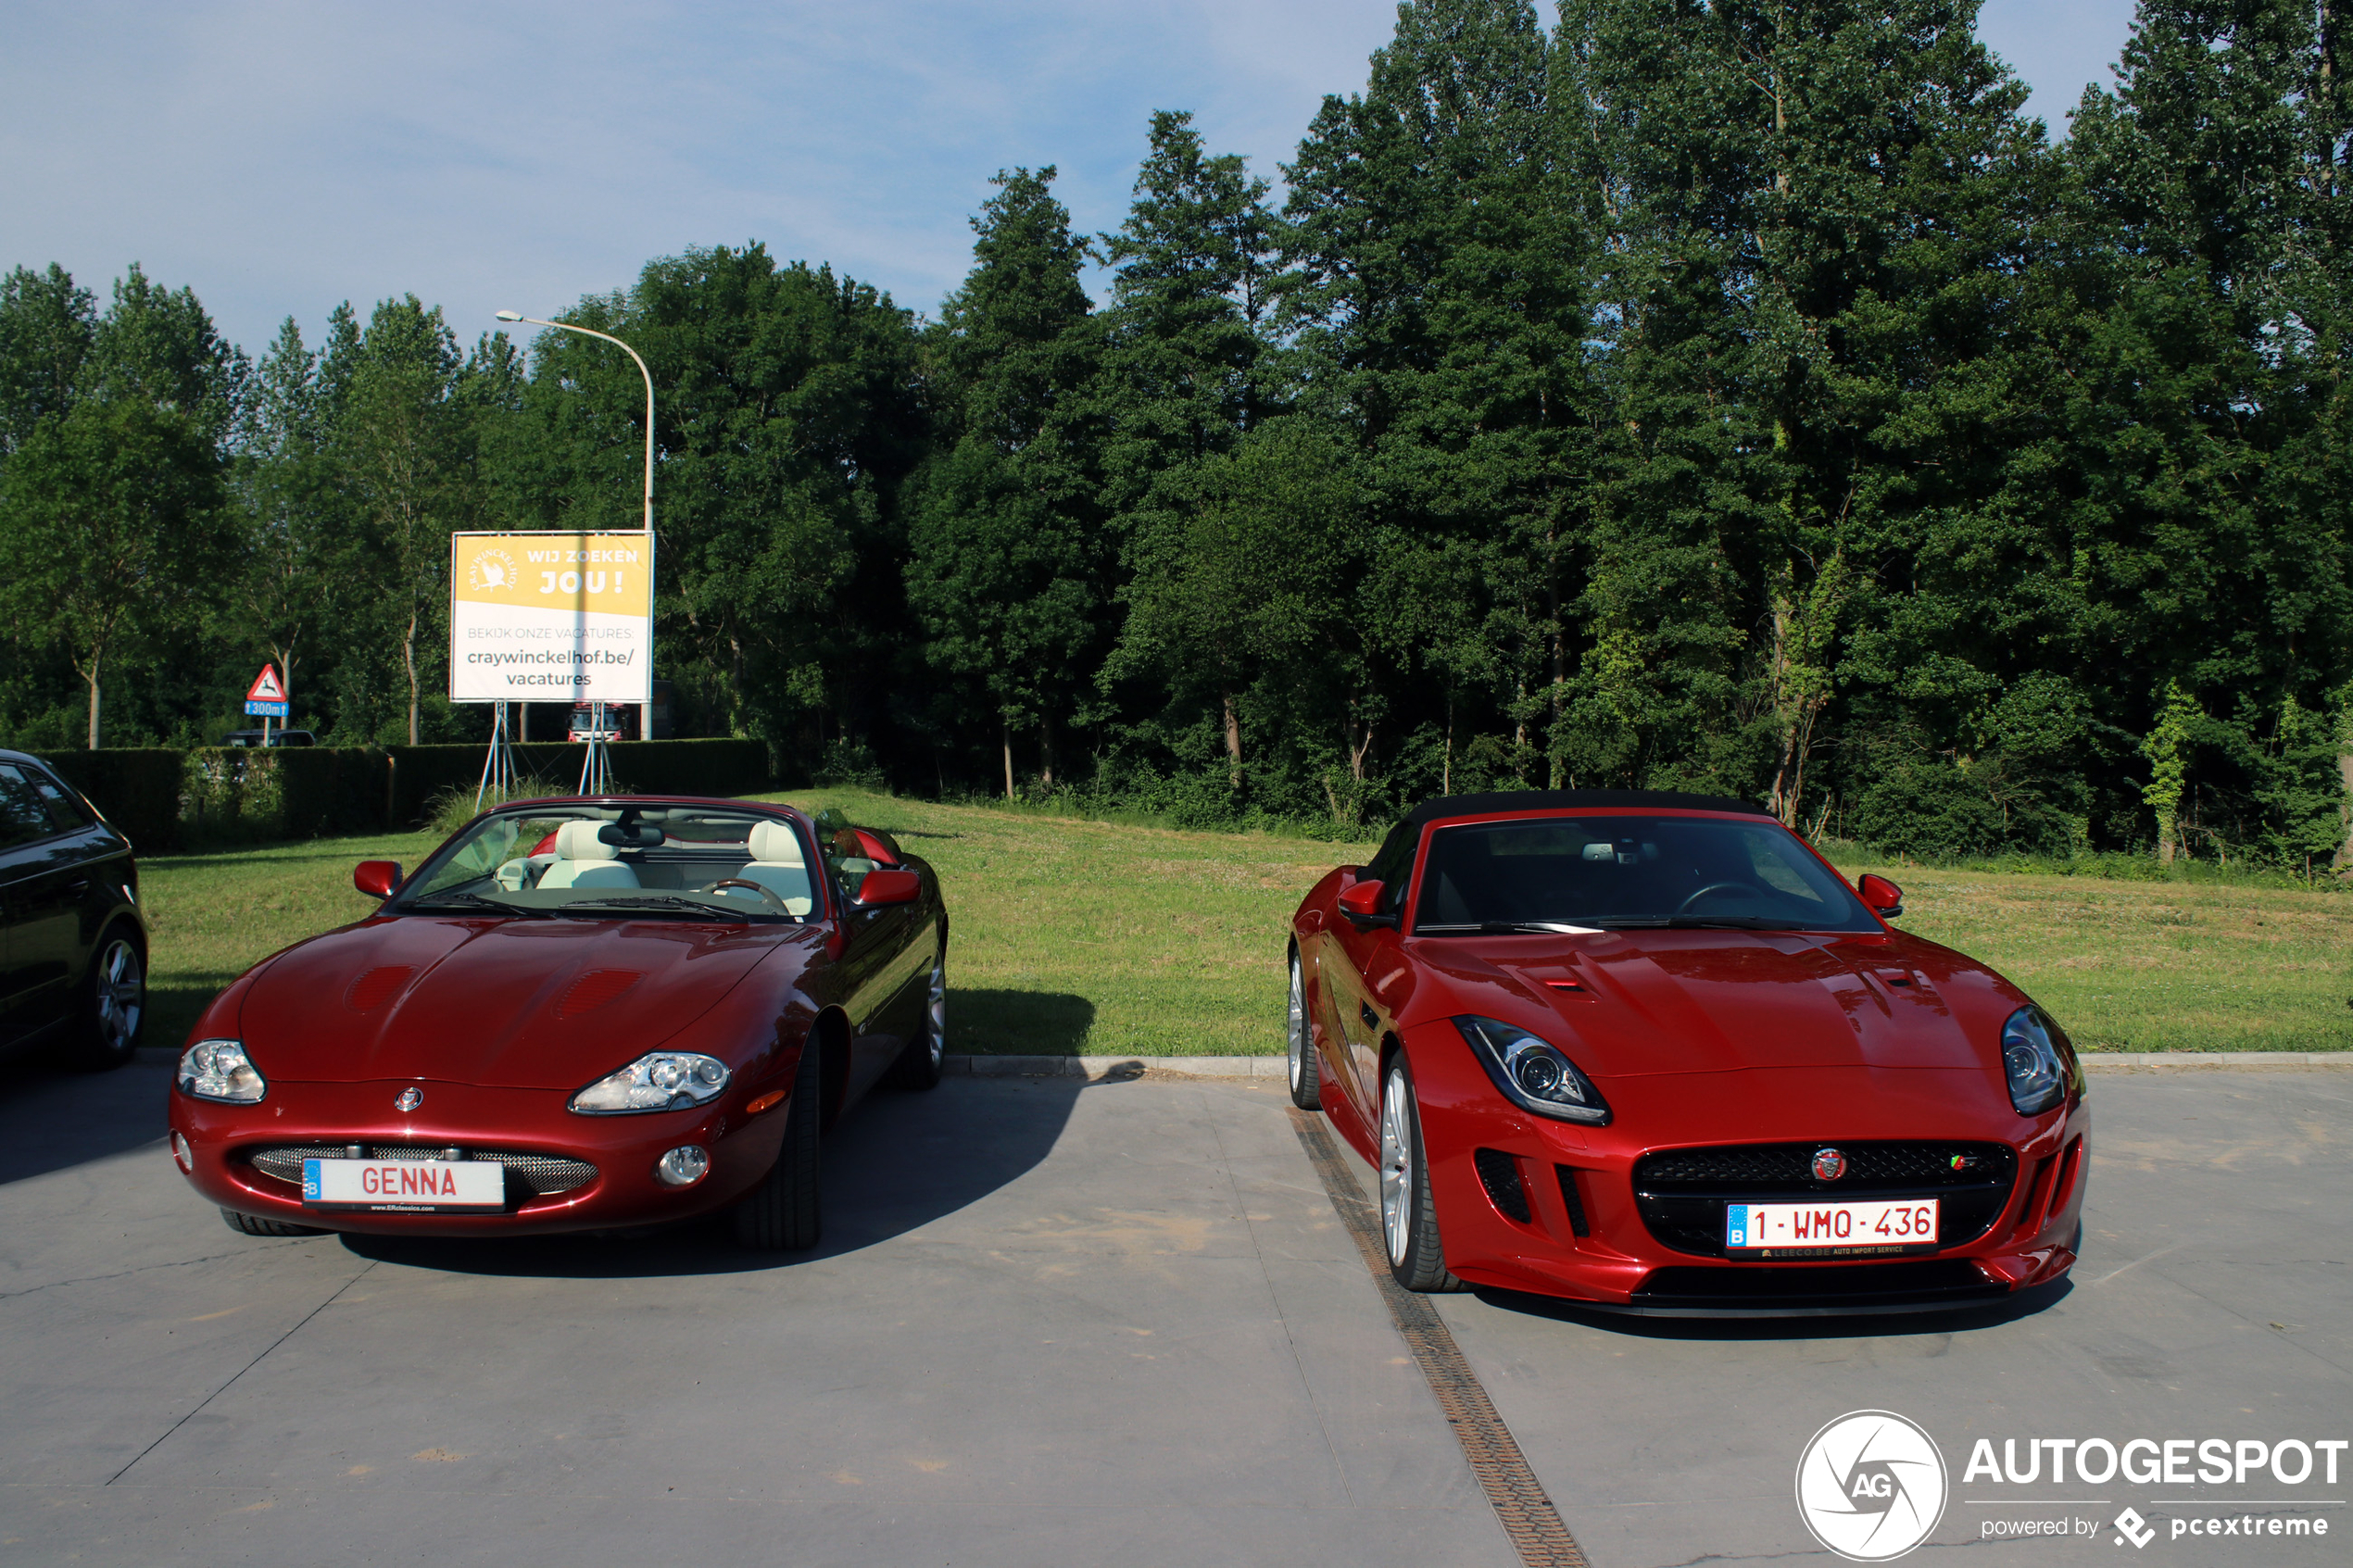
[551, 617]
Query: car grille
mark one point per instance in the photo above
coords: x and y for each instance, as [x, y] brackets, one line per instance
[536, 1175]
[1681, 1192]
[1499, 1172]
[1924, 1281]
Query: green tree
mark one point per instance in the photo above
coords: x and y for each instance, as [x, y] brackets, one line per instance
[1008, 563]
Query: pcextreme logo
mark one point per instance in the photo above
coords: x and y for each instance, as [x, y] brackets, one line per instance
[1870, 1486]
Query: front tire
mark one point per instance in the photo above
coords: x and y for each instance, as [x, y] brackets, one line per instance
[918, 1066]
[780, 1215]
[1408, 1212]
[253, 1224]
[113, 1004]
[1306, 1087]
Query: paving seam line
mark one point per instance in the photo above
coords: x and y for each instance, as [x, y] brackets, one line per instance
[1275, 1067]
[1522, 1506]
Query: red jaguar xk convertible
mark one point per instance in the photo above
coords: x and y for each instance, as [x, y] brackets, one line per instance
[577, 1014]
[1650, 1052]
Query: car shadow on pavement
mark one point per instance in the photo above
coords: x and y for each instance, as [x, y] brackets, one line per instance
[1833, 1325]
[52, 1117]
[897, 1161]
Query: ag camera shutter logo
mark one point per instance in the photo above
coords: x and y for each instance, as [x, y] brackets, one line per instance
[1870, 1486]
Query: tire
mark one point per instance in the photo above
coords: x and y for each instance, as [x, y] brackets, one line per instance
[1409, 1215]
[780, 1215]
[253, 1224]
[112, 1005]
[1306, 1085]
[918, 1066]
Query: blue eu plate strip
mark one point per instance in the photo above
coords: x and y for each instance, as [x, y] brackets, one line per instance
[1735, 1224]
[311, 1180]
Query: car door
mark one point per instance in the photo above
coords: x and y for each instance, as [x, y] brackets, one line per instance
[873, 943]
[42, 885]
[1348, 960]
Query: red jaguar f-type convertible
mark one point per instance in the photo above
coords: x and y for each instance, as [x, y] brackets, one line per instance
[577, 1014]
[1650, 1052]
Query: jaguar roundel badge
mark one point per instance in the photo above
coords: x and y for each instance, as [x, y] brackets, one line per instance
[1828, 1163]
[412, 1097]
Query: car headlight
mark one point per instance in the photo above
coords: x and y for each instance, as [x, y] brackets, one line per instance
[220, 1070]
[1533, 1074]
[2031, 1060]
[657, 1080]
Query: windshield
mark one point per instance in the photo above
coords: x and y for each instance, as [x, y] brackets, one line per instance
[606, 863]
[1621, 872]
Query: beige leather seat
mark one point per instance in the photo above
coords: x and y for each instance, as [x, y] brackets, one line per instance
[584, 860]
[778, 865]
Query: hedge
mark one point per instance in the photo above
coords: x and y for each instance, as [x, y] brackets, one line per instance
[136, 787]
[168, 800]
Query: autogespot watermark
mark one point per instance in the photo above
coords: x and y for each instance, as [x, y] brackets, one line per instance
[2269, 1489]
[1872, 1486]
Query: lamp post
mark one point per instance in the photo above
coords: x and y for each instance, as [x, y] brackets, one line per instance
[646, 711]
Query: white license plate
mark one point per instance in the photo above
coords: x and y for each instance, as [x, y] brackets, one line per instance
[405, 1184]
[1795, 1229]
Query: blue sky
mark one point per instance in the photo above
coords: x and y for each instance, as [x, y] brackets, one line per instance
[280, 156]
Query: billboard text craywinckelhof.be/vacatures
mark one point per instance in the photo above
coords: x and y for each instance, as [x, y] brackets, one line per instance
[551, 617]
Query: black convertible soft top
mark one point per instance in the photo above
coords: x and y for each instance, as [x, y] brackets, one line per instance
[1571, 800]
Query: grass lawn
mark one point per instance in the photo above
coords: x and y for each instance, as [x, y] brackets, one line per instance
[1088, 936]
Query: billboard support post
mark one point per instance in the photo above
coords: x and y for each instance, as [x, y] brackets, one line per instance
[498, 768]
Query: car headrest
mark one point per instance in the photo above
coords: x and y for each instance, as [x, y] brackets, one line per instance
[775, 843]
[578, 841]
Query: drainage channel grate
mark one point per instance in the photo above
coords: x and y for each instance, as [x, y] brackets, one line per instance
[1521, 1505]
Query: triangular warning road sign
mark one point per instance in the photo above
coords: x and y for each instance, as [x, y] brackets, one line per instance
[266, 687]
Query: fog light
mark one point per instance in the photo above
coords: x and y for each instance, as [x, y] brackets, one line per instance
[684, 1166]
[184, 1154]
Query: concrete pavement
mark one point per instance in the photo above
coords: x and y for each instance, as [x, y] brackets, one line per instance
[1058, 1322]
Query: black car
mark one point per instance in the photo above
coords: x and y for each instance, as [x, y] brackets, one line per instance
[73, 941]
[275, 737]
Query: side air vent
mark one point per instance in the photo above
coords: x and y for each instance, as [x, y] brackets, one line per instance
[1499, 1172]
[1569, 1199]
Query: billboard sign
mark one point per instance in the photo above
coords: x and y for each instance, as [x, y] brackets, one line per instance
[554, 617]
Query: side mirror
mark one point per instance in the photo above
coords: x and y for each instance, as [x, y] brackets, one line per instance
[874, 849]
[888, 885]
[1885, 898]
[1360, 904]
[376, 878]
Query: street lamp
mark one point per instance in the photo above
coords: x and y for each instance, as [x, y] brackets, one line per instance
[646, 712]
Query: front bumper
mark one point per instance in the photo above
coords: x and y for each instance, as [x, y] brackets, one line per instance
[1586, 1238]
[223, 1141]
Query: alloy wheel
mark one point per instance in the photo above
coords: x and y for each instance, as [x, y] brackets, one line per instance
[938, 1016]
[122, 994]
[1298, 1023]
[1396, 1167]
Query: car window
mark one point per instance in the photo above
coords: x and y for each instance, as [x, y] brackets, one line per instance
[1630, 872]
[1392, 865]
[648, 862]
[22, 818]
[65, 810]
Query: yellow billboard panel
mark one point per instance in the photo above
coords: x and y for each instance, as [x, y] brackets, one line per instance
[551, 617]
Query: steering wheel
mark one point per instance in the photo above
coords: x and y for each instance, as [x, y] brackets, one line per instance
[1717, 887]
[760, 887]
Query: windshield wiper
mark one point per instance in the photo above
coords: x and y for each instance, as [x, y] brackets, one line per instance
[1507, 928]
[1729, 923]
[470, 901]
[653, 901]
